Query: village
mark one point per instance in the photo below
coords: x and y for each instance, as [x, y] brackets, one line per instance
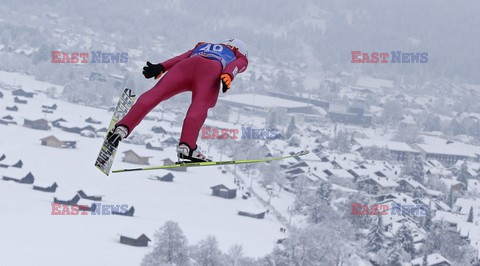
[350, 152]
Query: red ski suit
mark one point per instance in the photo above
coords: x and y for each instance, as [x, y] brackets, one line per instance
[195, 73]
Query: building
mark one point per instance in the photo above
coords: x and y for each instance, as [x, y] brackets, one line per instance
[316, 102]
[348, 115]
[52, 141]
[20, 92]
[257, 215]
[83, 195]
[377, 185]
[223, 191]
[141, 241]
[18, 175]
[434, 259]
[449, 153]
[264, 103]
[40, 124]
[166, 178]
[13, 108]
[130, 212]
[18, 100]
[399, 151]
[50, 189]
[133, 157]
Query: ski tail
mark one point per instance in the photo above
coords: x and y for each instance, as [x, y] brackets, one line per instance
[107, 152]
[198, 164]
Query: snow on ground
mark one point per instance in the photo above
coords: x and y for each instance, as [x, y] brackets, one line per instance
[27, 223]
[28, 83]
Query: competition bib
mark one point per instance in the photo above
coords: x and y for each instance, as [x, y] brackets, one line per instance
[215, 51]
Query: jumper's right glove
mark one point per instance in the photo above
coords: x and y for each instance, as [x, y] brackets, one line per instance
[226, 81]
[153, 70]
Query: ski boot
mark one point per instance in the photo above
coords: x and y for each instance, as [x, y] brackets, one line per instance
[184, 152]
[115, 136]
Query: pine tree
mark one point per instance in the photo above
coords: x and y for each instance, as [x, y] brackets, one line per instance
[450, 199]
[462, 174]
[376, 237]
[425, 259]
[470, 215]
[292, 128]
[417, 171]
[428, 219]
[324, 192]
[171, 246]
[404, 240]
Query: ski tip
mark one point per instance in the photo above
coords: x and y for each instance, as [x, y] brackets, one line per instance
[301, 153]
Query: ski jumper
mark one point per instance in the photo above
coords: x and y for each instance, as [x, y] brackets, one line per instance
[197, 70]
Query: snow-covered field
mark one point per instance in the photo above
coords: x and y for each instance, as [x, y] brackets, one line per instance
[27, 223]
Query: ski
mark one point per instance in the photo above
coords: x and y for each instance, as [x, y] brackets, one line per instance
[107, 152]
[198, 164]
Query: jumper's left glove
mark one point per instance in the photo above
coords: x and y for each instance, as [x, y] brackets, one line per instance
[153, 70]
[226, 81]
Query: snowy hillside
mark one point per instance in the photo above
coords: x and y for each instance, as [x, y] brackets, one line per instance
[187, 199]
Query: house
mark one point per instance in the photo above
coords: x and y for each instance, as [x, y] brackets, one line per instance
[166, 178]
[169, 142]
[4, 163]
[449, 153]
[20, 92]
[18, 100]
[259, 215]
[85, 196]
[50, 189]
[347, 115]
[168, 161]
[18, 175]
[377, 185]
[92, 121]
[47, 111]
[141, 241]
[159, 130]
[133, 157]
[73, 201]
[434, 259]
[57, 123]
[52, 141]
[154, 145]
[399, 151]
[130, 212]
[8, 119]
[40, 124]
[223, 191]
[52, 107]
[13, 108]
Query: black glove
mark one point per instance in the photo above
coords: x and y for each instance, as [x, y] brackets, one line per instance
[152, 70]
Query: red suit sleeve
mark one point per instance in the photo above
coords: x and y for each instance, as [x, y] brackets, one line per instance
[236, 66]
[173, 61]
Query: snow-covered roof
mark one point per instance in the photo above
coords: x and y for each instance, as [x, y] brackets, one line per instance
[383, 182]
[390, 145]
[261, 101]
[373, 83]
[456, 148]
[432, 259]
[453, 218]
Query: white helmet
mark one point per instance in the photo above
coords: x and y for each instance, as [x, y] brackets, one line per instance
[241, 46]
